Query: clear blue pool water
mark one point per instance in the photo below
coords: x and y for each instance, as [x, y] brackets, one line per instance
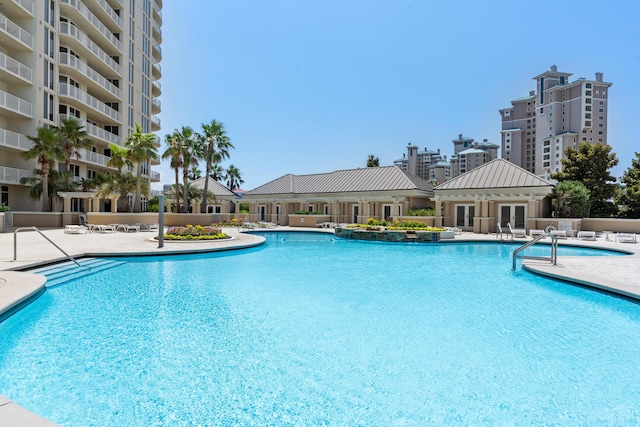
[312, 331]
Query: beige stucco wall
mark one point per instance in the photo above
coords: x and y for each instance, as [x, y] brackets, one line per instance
[307, 220]
[37, 219]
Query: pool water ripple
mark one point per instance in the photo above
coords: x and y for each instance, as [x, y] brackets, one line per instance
[310, 330]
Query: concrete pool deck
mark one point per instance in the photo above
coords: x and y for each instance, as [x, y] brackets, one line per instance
[616, 274]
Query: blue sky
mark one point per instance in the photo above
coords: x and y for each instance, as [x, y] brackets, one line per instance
[309, 87]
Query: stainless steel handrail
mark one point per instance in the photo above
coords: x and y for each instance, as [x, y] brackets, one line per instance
[554, 247]
[15, 243]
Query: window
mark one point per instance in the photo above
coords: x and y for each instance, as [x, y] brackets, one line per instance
[48, 74]
[48, 106]
[4, 194]
[49, 12]
[48, 42]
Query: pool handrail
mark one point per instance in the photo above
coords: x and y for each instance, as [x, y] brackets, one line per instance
[15, 243]
[553, 258]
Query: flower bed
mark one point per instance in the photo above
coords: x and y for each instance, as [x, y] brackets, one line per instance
[197, 232]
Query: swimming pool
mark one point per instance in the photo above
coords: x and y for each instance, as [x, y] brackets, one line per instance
[310, 330]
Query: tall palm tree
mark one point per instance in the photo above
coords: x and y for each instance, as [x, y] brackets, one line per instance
[46, 148]
[174, 153]
[190, 151]
[142, 148]
[73, 137]
[233, 178]
[215, 148]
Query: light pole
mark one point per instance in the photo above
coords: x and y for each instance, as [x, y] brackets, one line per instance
[161, 220]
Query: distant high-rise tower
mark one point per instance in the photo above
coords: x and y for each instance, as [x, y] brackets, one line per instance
[536, 130]
[97, 61]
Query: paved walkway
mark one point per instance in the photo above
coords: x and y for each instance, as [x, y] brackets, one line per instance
[611, 273]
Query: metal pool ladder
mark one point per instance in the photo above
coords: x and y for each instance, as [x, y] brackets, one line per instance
[15, 243]
[553, 258]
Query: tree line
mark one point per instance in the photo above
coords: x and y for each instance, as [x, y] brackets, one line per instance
[184, 148]
[586, 188]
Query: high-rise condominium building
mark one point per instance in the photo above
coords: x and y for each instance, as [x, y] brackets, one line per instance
[95, 60]
[537, 129]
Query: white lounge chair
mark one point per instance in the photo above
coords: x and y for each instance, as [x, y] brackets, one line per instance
[75, 229]
[535, 232]
[626, 238]
[517, 232]
[586, 235]
[560, 234]
[127, 228]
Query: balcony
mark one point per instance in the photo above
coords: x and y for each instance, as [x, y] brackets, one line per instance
[155, 176]
[87, 156]
[157, 32]
[155, 122]
[70, 91]
[14, 140]
[105, 9]
[156, 70]
[77, 10]
[155, 105]
[16, 37]
[13, 106]
[157, 51]
[156, 88]
[16, 72]
[89, 73]
[13, 175]
[97, 132]
[19, 8]
[87, 46]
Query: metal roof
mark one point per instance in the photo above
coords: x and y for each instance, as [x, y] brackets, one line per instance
[215, 187]
[382, 178]
[498, 173]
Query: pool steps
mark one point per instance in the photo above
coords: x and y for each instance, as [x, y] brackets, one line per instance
[63, 272]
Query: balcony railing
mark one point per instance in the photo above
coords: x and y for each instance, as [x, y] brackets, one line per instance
[93, 19]
[13, 103]
[82, 38]
[26, 5]
[112, 13]
[13, 175]
[96, 131]
[88, 156]
[16, 68]
[155, 176]
[16, 31]
[65, 89]
[14, 140]
[72, 61]
[156, 120]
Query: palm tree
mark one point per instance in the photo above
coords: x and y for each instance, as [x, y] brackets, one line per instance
[233, 178]
[55, 182]
[119, 157]
[73, 137]
[122, 184]
[46, 148]
[190, 152]
[194, 173]
[216, 145]
[174, 153]
[217, 173]
[142, 148]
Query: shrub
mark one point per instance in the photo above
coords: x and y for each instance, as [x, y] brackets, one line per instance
[197, 232]
[421, 212]
[4, 207]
